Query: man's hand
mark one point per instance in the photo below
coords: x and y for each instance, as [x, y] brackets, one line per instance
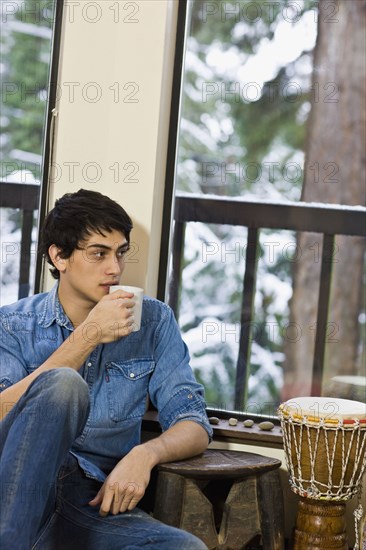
[111, 318]
[108, 321]
[126, 484]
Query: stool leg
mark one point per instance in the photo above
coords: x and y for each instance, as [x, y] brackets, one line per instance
[197, 515]
[271, 510]
[169, 498]
[240, 521]
[180, 503]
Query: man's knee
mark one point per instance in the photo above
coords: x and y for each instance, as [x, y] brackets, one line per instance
[62, 387]
[69, 382]
[58, 395]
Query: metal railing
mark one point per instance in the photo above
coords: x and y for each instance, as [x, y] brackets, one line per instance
[26, 198]
[328, 220]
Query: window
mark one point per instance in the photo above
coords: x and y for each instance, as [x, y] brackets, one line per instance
[249, 260]
[29, 43]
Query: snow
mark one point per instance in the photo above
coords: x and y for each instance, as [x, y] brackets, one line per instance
[29, 28]
[274, 54]
[20, 177]
[207, 311]
[250, 198]
[198, 133]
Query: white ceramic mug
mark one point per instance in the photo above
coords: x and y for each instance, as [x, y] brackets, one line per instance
[137, 298]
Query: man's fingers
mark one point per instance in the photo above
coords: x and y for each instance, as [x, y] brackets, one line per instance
[120, 294]
[128, 496]
[133, 503]
[133, 494]
[118, 499]
[123, 329]
[126, 303]
[107, 500]
[98, 498]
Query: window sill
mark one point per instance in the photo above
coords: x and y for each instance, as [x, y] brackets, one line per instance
[230, 434]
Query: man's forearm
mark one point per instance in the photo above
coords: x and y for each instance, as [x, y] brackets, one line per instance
[126, 484]
[72, 353]
[183, 440]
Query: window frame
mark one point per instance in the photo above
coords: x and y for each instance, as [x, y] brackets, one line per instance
[31, 197]
[49, 132]
[171, 162]
[170, 216]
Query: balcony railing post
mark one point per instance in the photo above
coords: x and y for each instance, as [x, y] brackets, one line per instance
[178, 247]
[25, 254]
[243, 364]
[322, 314]
[24, 197]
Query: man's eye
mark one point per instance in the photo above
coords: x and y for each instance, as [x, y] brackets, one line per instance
[98, 255]
[121, 254]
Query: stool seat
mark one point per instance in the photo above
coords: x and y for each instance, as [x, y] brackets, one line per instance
[216, 464]
[226, 498]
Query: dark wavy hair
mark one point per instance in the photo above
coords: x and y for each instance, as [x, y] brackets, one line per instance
[75, 216]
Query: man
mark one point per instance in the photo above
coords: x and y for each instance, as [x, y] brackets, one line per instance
[75, 380]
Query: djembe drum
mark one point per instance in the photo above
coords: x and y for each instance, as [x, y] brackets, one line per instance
[324, 443]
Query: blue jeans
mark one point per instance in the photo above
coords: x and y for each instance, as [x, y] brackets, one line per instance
[44, 492]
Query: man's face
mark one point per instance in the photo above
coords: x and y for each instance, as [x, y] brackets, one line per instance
[89, 272]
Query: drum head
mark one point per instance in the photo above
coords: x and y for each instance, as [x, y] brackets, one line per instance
[329, 410]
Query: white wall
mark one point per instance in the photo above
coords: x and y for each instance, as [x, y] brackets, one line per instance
[113, 115]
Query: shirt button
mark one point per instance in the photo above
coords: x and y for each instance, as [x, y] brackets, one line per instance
[132, 375]
[89, 364]
[190, 396]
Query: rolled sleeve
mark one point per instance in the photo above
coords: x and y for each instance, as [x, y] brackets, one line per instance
[185, 404]
[173, 389]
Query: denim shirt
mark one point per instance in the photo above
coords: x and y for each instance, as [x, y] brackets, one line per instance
[153, 361]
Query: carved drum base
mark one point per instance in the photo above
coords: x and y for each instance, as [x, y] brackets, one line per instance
[320, 525]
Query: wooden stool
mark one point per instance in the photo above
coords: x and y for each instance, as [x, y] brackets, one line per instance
[225, 498]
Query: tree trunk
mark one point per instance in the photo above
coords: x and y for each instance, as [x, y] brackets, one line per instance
[334, 173]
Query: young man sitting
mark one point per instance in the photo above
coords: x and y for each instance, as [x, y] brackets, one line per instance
[74, 381]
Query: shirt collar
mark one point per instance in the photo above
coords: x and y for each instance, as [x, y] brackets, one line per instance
[53, 311]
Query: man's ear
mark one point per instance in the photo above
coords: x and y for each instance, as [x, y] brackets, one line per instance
[54, 253]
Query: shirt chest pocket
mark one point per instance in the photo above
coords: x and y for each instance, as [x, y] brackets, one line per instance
[127, 387]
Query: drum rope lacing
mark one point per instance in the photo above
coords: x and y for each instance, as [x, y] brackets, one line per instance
[358, 513]
[316, 489]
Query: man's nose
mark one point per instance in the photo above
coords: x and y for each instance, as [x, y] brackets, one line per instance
[114, 266]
